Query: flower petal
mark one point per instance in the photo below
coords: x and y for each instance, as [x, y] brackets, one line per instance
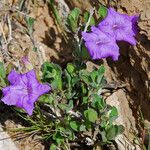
[32, 80]
[13, 77]
[6, 90]
[89, 36]
[27, 105]
[43, 88]
[134, 20]
[110, 50]
[24, 91]
[38, 91]
[103, 36]
[121, 36]
[29, 108]
[93, 49]
[10, 99]
[31, 74]
[107, 29]
[130, 39]
[120, 26]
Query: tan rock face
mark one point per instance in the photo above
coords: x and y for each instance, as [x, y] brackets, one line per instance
[133, 66]
[6, 142]
[124, 141]
[144, 23]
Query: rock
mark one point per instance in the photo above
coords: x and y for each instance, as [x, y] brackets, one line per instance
[6, 143]
[144, 23]
[125, 140]
[133, 66]
[123, 143]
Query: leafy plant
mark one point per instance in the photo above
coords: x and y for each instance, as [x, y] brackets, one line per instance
[73, 18]
[86, 17]
[55, 11]
[30, 23]
[3, 80]
[102, 12]
[74, 107]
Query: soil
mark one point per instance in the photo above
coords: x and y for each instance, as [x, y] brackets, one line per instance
[132, 69]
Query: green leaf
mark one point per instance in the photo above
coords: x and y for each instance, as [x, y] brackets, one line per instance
[103, 123]
[85, 76]
[53, 147]
[62, 106]
[70, 68]
[85, 54]
[94, 75]
[2, 82]
[103, 134]
[100, 77]
[66, 107]
[2, 71]
[113, 131]
[102, 12]
[85, 100]
[55, 12]
[61, 129]
[52, 73]
[47, 98]
[88, 125]
[72, 19]
[70, 105]
[86, 17]
[74, 125]
[75, 13]
[113, 115]
[82, 128]
[114, 112]
[84, 89]
[70, 134]
[101, 69]
[91, 115]
[75, 80]
[68, 84]
[30, 23]
[98, 102]
[58, 138]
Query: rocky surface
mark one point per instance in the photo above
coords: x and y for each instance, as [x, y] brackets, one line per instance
[6, 143]
[144, 23]
[125, 140]
[133, 66]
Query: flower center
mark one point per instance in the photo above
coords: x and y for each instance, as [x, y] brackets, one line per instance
[29, 90]
[115, 27]
[101, 42]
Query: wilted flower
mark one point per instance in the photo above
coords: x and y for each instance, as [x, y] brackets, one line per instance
[100, 45]
[24, 90]
[27, 63]
[121, 26]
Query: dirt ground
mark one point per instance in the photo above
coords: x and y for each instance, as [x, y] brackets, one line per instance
[132, 69]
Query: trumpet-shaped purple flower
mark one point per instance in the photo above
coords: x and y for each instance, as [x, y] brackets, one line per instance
[24, 90]
[100, 45]
[121, 26]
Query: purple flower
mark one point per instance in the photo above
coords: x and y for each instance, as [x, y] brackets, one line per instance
[121, 26]
[100, 45]
[24, 90]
